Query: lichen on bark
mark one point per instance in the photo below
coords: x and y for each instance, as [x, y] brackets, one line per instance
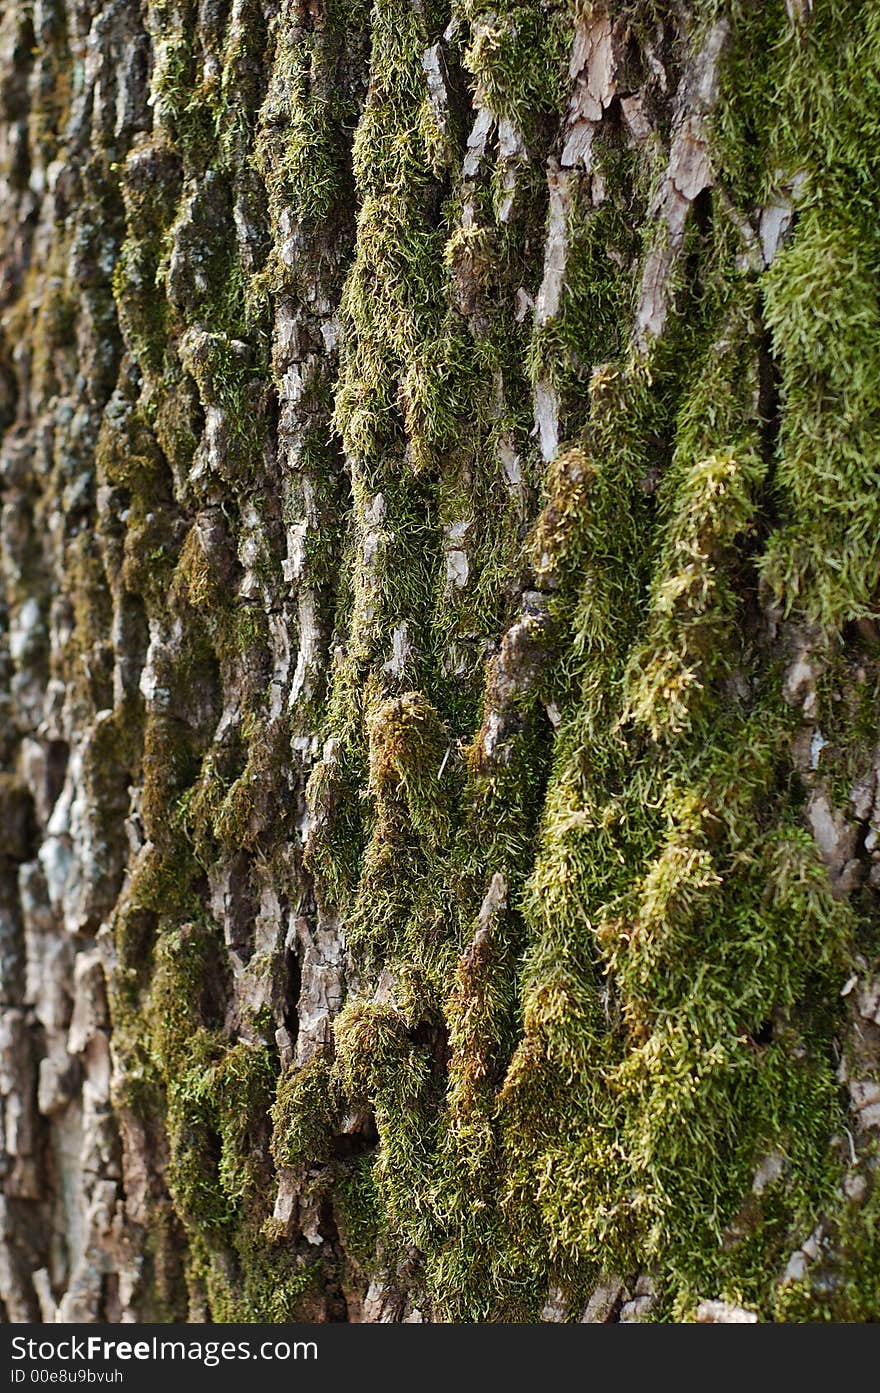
[440, 805]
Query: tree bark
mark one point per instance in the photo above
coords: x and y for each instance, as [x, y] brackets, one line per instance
[440, 808]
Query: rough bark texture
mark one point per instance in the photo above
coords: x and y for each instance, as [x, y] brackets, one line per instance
[440, 818]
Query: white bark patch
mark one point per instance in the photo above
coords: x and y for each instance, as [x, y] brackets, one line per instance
[308, 656]
[555, 1308]
[837, 840]
[296, 551]
[494, 900]
[865, 1097]
[689, 168]
[776, 216]
[862, 795]
[657, 68]
[868, 1002]
[18, 1135]
[457, 569]
[799, 11]
[293, 385]
[578, 146]
[554, 715]
[858, 1067]
[73, 854]
[637, 123]
[374, 541]
[817, 745]
[512, 151]
[383, 1305]
[401, 651]
[477, 140]
[374, 515]
[703, 79]
[156, 696]
[103, 1242]
[548, 302]
[89, 1002]
[775, 219]
[834, 836]
[251, 550]
[642, 1303]
[25, 629]
[555, 247]
[285, 345]
[604, 1301]
[724, 1313]
[592, 69]
[768, 1172]
[49, 957]
[434, 66]
[288, 245]
[286, 1199]
[524, 303]
[688, 173]
[247, 235]
[319, 949]
[547, 420]
[330, 330]
[457, 564]
[799, 682]
[491, 733]
[795, 1268]
[279, 634]
[43, 1287]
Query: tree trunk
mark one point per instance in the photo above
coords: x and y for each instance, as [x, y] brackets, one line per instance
[440, 818]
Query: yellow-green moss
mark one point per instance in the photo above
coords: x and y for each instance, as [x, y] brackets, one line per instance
[586, 1074]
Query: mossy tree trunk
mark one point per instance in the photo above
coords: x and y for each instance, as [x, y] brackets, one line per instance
[440, 822]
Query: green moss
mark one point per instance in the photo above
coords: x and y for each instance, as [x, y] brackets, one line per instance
[359, 1212]
[304, 1115]
[518, 56]
[192, 1175]
[584, 1071]
[842, 1285]
[275, 1286]
[408, 751]
[187, 963]
[784, 119]
[301, 149]
[169, 766]
[218, 1096]
[242, 1087]
[826, 560]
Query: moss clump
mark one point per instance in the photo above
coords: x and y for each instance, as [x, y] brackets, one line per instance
[301, 148]
[783, 135]
[518, 57]
[218, 1097]
[693, 614]
[187, 985]
[409, 753]
[304, 1115]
